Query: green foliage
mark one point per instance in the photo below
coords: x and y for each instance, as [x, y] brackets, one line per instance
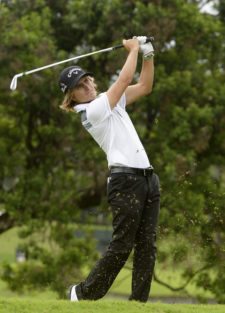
[50, 169]
[54, 260]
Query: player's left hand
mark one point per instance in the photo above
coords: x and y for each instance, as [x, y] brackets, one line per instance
[146, 48]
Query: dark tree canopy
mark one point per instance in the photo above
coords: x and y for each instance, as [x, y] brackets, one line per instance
[51, 170]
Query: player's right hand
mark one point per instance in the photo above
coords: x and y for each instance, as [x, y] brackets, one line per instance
[131, 44]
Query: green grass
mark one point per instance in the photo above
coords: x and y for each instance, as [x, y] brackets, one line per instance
[101, 306]
[8, 242]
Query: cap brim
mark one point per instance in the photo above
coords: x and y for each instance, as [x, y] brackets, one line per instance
[75, 82]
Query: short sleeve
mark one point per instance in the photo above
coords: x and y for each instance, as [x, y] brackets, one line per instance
[99, 109]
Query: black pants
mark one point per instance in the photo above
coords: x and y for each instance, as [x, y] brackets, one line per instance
[134, 201]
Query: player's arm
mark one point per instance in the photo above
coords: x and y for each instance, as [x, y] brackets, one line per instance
[126, 75]
[145, 82]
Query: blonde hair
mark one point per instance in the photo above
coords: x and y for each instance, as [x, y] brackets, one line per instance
[69, 102]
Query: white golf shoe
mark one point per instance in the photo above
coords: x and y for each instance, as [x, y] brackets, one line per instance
[73, 294]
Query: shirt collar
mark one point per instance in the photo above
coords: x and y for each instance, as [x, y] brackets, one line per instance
[80, 107]
[83, 106]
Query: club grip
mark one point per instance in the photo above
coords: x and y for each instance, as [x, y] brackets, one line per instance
[148, 39]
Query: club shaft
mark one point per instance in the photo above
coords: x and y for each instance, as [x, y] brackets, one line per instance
[13, 84]
[78, 57]
[67, 60]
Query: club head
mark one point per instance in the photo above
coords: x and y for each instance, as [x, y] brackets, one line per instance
[13, 84]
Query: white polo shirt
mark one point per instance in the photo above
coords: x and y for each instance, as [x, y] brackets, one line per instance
[114, 132]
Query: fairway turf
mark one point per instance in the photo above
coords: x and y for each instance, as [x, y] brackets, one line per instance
[101, 306]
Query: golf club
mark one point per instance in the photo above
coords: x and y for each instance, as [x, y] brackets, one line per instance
[13, 84]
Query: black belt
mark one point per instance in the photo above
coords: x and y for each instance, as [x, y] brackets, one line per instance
[131, 170]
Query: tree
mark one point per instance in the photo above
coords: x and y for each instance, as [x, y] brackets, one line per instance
[37, 159]
[45, 152]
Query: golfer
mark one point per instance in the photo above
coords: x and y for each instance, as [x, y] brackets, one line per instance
[133, 187]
